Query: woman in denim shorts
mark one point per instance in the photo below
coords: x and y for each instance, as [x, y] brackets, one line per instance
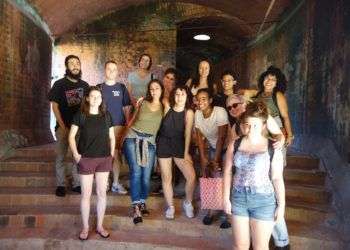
[94, 155]
[257, 197]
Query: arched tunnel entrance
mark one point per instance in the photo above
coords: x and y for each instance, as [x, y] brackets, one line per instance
[308, 40]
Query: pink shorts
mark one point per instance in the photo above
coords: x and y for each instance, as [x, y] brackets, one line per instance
[92, 165]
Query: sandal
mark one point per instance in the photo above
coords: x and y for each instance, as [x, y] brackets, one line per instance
[137, 217]
[103, 234]
[84, 235]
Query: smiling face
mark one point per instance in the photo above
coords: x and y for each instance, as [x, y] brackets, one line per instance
[270, 82]
[169, 81]
[235, 107]
[203, 101]
[94, 98]
[144, 62]
[111, 71]
[228, 82]
[203, 69]
[253, 126]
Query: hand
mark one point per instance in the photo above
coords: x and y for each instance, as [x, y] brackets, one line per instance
[227, 207]
[279, 142]
[215, 166]
[139, 101]
[77, 157]
[112, 153]
[289, 141]
[279, 212]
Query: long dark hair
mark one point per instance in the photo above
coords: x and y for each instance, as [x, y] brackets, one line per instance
[188, 98]
[149, 97]
[85, 106]
[195, 79]
[281, 84]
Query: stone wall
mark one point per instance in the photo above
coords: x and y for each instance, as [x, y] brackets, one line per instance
[25, 66]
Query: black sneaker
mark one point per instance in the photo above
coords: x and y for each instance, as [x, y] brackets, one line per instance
[60, 191]
[283, 248]
[208, 220]
[143, 209]
[225, 224]
[77, 189]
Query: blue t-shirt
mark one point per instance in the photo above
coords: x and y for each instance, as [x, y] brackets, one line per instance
[116, 97]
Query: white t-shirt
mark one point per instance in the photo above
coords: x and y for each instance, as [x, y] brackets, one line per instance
[209, 127]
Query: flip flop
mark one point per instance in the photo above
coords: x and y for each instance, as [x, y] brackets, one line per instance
[103, 235]
[84, 234]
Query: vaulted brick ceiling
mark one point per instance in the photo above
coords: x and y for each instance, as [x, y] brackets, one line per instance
[64, 15]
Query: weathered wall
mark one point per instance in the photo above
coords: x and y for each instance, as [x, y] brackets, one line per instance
[25, 67]
[311, 46]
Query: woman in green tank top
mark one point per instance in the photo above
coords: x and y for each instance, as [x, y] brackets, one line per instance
[271, 89]
[139, 146]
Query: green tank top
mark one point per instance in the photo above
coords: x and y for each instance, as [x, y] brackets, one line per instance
[148, 121]
[270, 103]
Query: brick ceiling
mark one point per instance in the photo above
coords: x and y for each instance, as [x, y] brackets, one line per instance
[64, 15]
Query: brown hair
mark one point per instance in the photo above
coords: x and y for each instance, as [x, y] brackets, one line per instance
[85, 106]
[188, 98]
[257, 110]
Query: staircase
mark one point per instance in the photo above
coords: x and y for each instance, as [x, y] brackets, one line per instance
[29, 209]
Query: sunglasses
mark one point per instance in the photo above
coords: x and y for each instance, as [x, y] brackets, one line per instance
[235, 105]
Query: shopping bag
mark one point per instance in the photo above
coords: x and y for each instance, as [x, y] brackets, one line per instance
[211, 193]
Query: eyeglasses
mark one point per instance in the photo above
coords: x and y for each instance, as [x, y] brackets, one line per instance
[235, 105]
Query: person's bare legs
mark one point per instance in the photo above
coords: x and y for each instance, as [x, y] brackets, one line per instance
[166, 172]
[240, 232]
[187, 170]
[117, 162]
[86, 189]
[261, 233]
[101, 189]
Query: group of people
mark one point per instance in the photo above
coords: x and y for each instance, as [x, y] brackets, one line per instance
[240, 135]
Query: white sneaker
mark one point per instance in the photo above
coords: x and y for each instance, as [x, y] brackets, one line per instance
[187, 206]
[170, 212]
[119, 189]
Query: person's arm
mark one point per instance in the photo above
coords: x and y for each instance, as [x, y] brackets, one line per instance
[248, 93]
[188, 131]
[202, 154]
[222, 134]
[189, 82]
[72, 143]
[278, 183]
[57, 113]
[127, 113]
[227, 177]
[112, 140]
[283, 108]
[276, 132]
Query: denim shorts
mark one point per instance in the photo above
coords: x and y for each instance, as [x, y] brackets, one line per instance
[260, 206]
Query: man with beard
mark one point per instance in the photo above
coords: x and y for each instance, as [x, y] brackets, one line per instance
[65, 97]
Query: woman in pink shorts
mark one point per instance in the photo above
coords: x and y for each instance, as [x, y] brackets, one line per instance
[94, 156]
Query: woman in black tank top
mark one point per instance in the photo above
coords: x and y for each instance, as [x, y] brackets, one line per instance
[173, 143]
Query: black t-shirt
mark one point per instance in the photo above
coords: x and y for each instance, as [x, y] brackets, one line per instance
[68, 95]
[94, 134]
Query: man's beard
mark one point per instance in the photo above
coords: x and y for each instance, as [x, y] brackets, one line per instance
[72, 75]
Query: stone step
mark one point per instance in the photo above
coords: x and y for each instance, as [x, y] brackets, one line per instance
[12, 179]
[36, 151]
[26, 164]
[67, 238]
[61, 218]
[302, 162]
[14, 197]
[307, 177]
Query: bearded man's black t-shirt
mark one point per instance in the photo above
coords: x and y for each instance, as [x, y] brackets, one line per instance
[68, 95]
